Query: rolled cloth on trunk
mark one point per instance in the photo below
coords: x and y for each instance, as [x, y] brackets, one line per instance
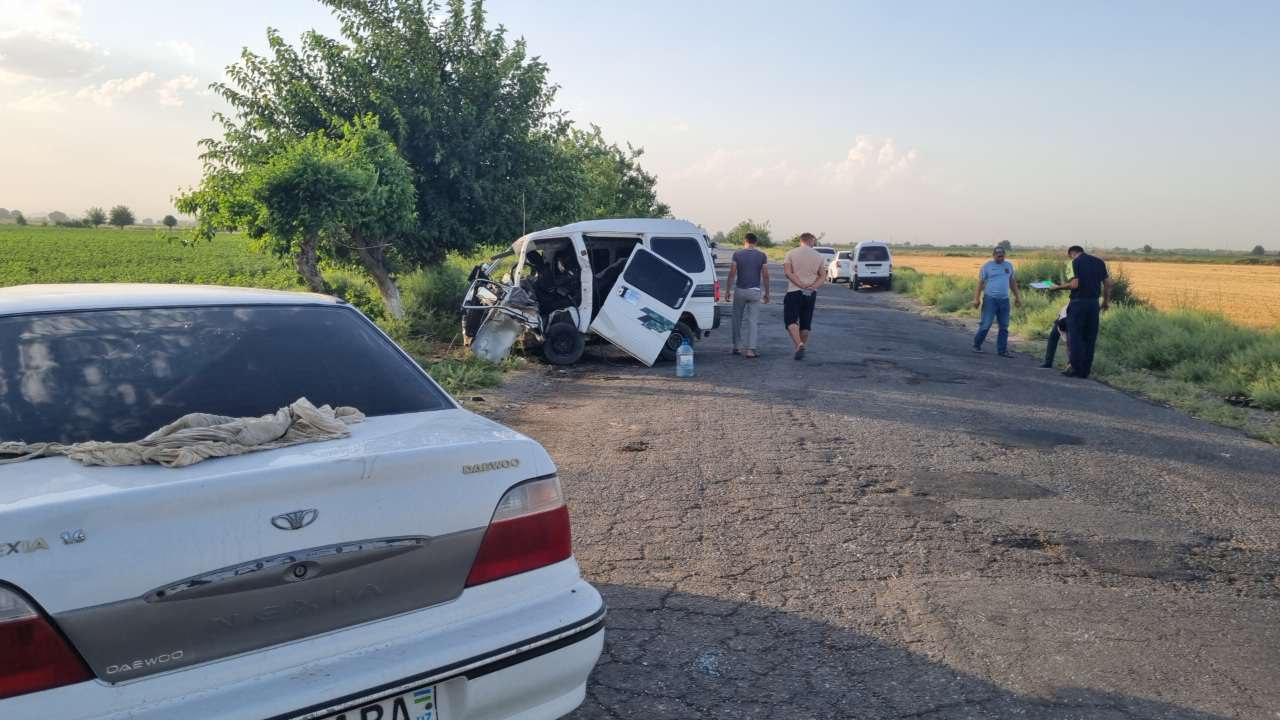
[199, 436]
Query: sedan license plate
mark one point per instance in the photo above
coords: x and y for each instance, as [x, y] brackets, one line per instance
[418, 704]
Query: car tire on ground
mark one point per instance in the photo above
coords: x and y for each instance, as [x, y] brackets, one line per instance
[853, 283]
[562, 344]
[888, 284]
[682, 331]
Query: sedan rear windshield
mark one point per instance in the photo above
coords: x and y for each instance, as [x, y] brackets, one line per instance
[117, 375]
[875, 253]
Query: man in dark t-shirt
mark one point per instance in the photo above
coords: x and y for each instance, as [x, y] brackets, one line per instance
[747, 288]
[1091, 281]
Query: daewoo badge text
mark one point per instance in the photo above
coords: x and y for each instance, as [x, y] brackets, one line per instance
[489, 466]
[141, 664]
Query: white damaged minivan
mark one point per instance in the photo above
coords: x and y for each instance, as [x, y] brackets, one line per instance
[644, 285]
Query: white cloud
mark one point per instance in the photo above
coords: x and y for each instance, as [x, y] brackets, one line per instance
[180, 50]
[170, 93]
[115, 89]
[41, 15]
[48, 56]
[717, 162]
[861, 150]
[40, 101]
[858, 169]
[42, 39]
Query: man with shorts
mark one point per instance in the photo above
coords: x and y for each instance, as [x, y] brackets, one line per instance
[806, 271]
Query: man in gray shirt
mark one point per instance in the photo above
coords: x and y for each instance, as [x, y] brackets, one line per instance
[748, 287]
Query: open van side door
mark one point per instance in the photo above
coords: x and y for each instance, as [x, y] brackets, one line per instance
[644, 305]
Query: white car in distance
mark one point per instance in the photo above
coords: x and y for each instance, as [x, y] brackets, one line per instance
[841, 268]
[421, 568]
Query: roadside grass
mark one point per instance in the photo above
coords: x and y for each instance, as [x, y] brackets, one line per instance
[1197, 361]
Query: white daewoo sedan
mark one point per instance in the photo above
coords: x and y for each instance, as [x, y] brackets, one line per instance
[419, 569]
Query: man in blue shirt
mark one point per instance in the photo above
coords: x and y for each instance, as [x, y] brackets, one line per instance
[995, 282]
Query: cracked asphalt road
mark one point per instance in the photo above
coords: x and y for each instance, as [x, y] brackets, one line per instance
[897, 528]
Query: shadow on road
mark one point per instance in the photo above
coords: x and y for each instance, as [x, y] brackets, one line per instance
[671, 655]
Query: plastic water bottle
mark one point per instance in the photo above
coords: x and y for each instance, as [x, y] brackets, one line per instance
[684, 360]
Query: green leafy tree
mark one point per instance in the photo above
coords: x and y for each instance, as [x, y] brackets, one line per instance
[1258, 250]
[170, 221]
[466, 108]
[57, 217]
[95, 216]
[19, 218]
[348, 199]
[1147, 249]
[597, 179]
[1006, 245]
[121, 216]
[4, 214]
[734, 237]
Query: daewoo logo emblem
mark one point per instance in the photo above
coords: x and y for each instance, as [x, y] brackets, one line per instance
[295, 520]
[487, 466]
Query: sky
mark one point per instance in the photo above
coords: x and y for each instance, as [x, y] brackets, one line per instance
[1102, 123]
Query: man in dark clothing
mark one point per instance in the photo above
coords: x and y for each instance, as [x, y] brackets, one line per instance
[747, 288]
[1091, 281]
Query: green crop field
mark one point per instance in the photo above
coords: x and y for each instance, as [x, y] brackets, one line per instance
[60, 255]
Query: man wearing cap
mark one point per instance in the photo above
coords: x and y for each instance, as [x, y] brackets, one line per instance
[995, 282]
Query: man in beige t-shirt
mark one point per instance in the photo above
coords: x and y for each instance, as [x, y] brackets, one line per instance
[806, 271]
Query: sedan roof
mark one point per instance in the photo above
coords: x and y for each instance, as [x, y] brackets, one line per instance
[23, 299]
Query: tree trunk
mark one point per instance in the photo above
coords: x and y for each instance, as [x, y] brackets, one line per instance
[374, 260]
[307, 263]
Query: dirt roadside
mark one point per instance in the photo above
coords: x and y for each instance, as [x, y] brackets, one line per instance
[896, 527]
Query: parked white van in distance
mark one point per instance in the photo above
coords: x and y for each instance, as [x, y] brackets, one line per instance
[872, 265]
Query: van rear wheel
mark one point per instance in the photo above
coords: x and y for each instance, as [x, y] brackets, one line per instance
[672, 345]
[562, 344]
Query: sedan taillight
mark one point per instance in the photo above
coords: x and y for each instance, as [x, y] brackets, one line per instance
[717, 290]
[529, 530]
[33, 654]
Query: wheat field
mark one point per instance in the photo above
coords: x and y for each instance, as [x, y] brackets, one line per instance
[1247, 294]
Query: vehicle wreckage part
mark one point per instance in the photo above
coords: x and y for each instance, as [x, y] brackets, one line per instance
[496, 336]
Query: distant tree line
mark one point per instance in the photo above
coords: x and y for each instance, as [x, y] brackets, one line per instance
[120, 216]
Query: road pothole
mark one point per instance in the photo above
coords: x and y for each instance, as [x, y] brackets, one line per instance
[1028, 541]
[1135, 558]
[917, 507]
[1029, 438]
[976, 486]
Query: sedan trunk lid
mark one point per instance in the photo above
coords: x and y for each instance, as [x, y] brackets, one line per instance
[148, 569]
